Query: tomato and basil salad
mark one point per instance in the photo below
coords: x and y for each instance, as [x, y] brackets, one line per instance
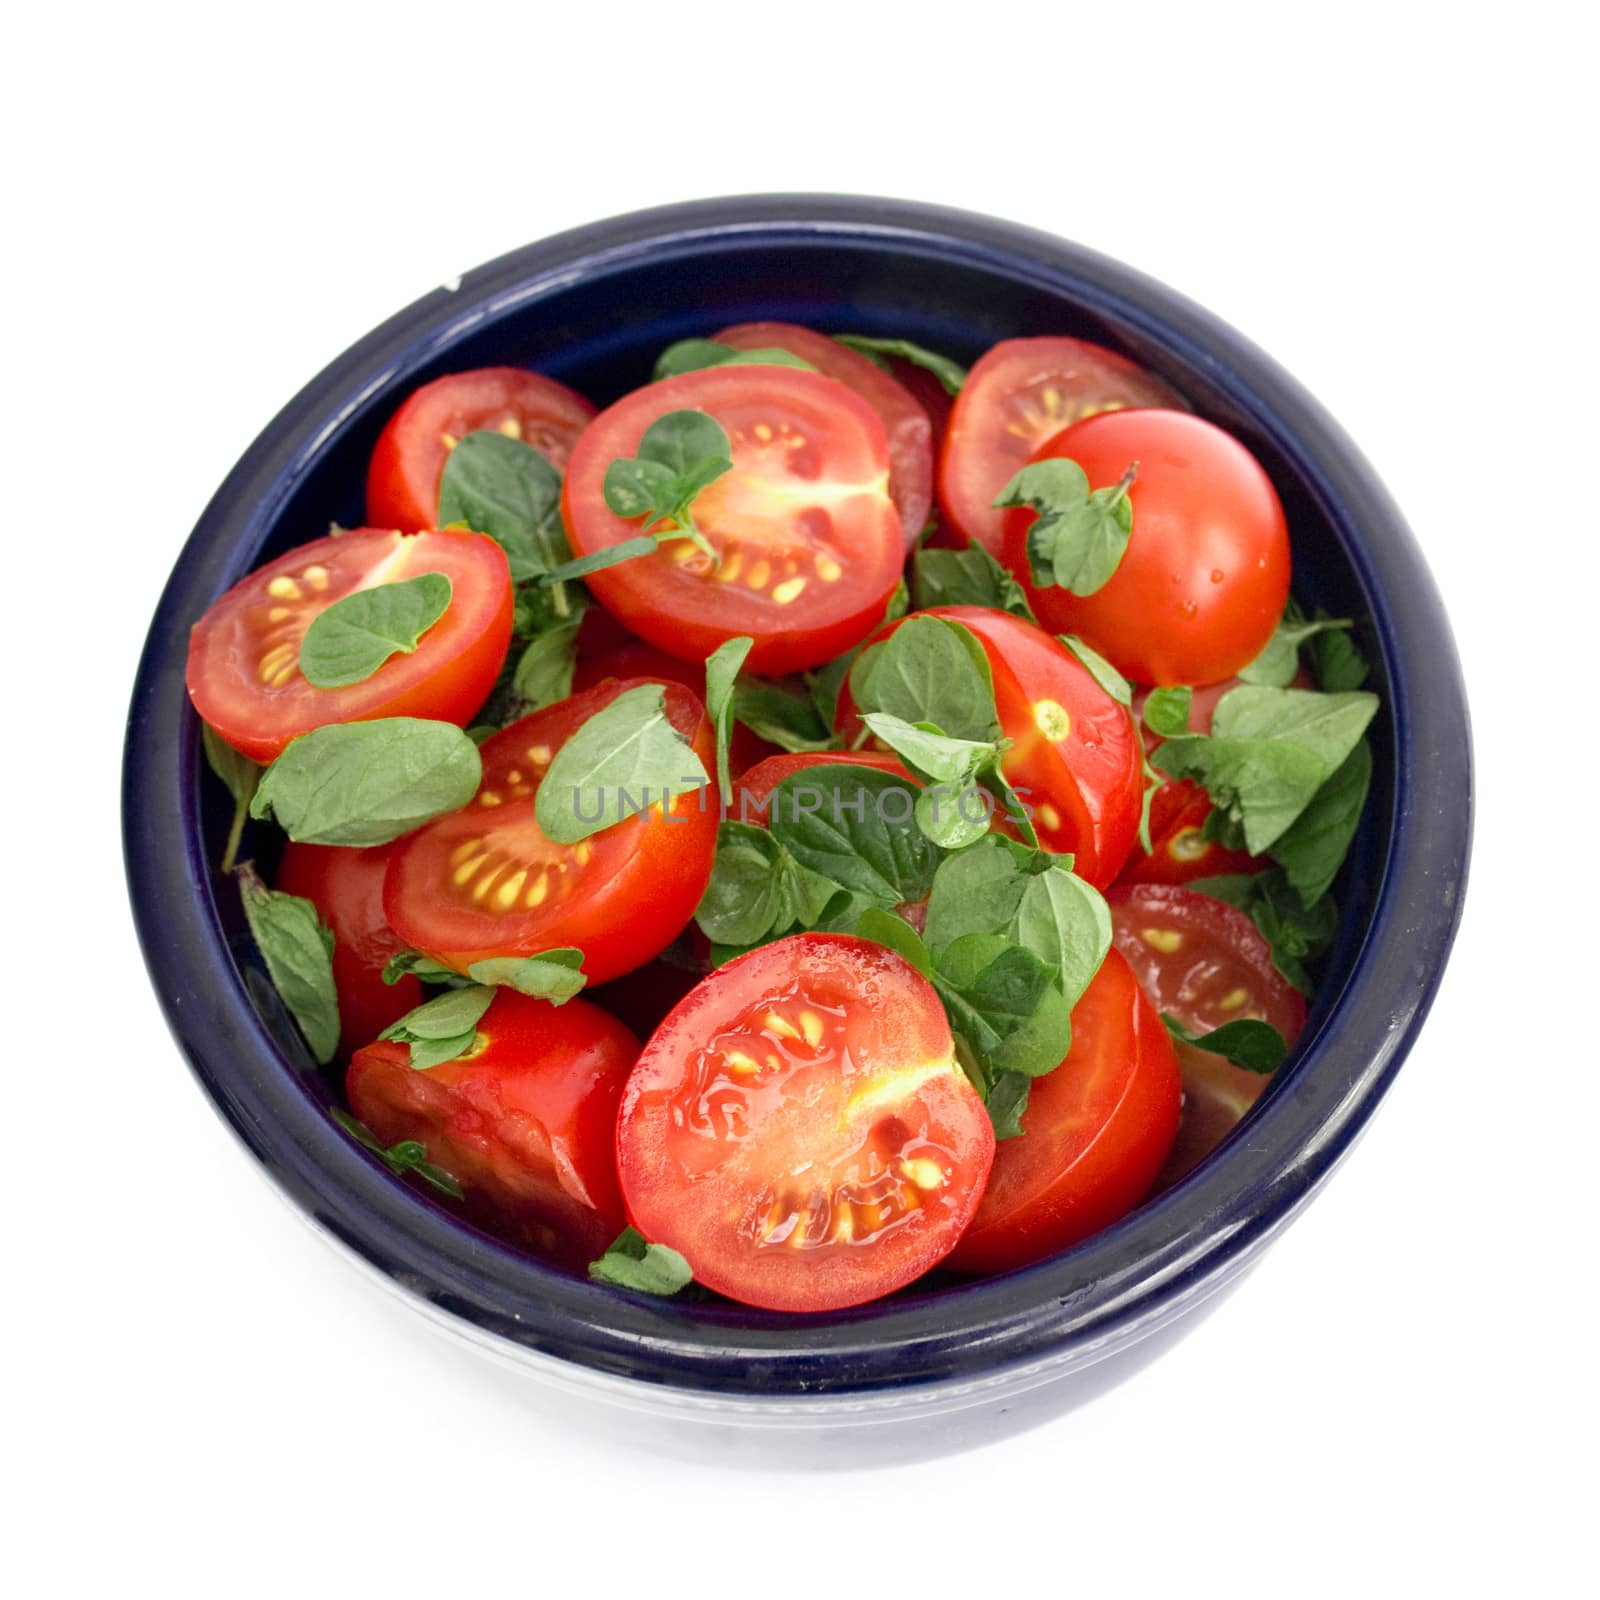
[824, 817]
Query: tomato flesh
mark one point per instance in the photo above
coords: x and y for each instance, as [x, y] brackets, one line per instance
[1017, 395]
[808, 541]
[1203, 581]
[905, 422]
[525, 1123]
[1095, 1133]
[243, 670]
[346, 887]
[408, 460]
[799, 1128]
[487, 881]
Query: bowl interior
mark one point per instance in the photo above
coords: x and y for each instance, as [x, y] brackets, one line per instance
[593, 310]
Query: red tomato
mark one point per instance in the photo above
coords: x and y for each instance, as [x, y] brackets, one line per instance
[1017, 396]
[1094, 1135]
[927, 391]
[346, 887]
[755, 786]
[1074, 758]
[408, 460]
[485, 880]
[244, 675]
[1206, 573]
[800, 1130]
[526, 1124]
[1204, 963]
[808, 538]
[905, 421]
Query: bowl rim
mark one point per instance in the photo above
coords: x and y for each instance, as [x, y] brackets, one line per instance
[1118, 1285]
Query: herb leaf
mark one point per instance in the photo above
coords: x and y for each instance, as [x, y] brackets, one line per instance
[1002, 1000]
[1077, 541]
[786, 720]
[1100, 669]
[443, 1028]
[632, 1262]
[1247, 1042]
[895, 933]
[624, 759]
[1279, 660]
[506, 489]
[1312, 849]
[413, 963]
[1336, 663]
[970, 577]
[351, 639]
[544, 670]
[695, 355]
[298, 950]
[758, 890]
[241, 775]
[929, 671]
[951, 374]
[553, 975]
[409, 1155]
[722, 673]
[1295, 932]
[1166, 711]
[365, 783]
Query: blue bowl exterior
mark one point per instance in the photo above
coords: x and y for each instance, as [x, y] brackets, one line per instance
[592, 307]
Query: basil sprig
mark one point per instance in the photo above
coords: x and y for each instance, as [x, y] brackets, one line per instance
[442, 1029]
[1247, 1042]
[506, 489]
[297, 948]
[951, 374]
[632, 1262]
[1079, 536]
[722, 674]
[626, 758]
[351, 639]
[695, 355]
[553, 975]
[241, 775]
[365, 783]
[409, 1155]
[758, 891]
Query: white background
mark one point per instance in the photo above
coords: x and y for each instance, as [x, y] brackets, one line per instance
[203, 208]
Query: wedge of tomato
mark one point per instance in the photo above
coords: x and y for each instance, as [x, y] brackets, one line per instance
[1094, 1135]
[1204, 963]
[346, 887]
[1019, 394]
[525, 1123]
[905, 421]
[808, 541]
[799, 1127]
[1075, 755]
[408, 460]
[487, 881]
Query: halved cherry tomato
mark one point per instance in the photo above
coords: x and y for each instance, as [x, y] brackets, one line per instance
[1204, 578]
[486, 881]
[244, 675]
[904, 420]
[408, 460]
[526, 1123]
[1204, 963]
[1018, 395]
[799, 1127]
[1074, 758]
[1095, 1133]
[754, 788]
[346, 887]
[808, 538]
[928, 392]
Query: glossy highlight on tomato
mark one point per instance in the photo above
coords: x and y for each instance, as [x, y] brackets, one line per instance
[408, 460]
[525, 1122]
[799, 1127]
[487, 881]
[1095, 1133]
[243, 672]
[808, 541]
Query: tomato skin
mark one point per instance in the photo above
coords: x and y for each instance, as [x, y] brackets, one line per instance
[754, 788]
[799, 1128]
[1204, 579]
[821, 506]
[408, 459]
[447, 676]
[621, 896]
[346, 887]
[1005, 412]
[1095, 1133]
[1086, 789]
[526, 1125]
[905, 421]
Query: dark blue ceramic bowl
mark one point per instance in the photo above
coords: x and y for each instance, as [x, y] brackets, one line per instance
[592, 308]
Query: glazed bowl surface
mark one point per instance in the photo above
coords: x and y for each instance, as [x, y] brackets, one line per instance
[592, 308]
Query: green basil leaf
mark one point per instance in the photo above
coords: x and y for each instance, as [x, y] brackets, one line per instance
[1066, 923]
[553, 975]
[1100, 669]
[722, 673]
[297, 948]
[954, 815]
[951, 374]
[351, 639]
[970, 577]
[506, 489]
[689, 444]
[1312, 849]
[895, 933]
[241, 775]
[1008, 1100]
[441, 1029]
[848, 824]
[824, 685]
[1296, 933]
[695, 355]
[1166, 711]
[1279, 660]
[929, 671]
[740, 904]
[412, 963]
[928, 751]
[544, 670]
[1079, 536]
[782, 719]
[1336, 664]
[898, 603]
[634, 1263]
[624, 759]
[407, 1156]
[612, 556]
[365, 783]
[1249, 1043]
[637, 488]
[1001, 998]
[977, 890]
